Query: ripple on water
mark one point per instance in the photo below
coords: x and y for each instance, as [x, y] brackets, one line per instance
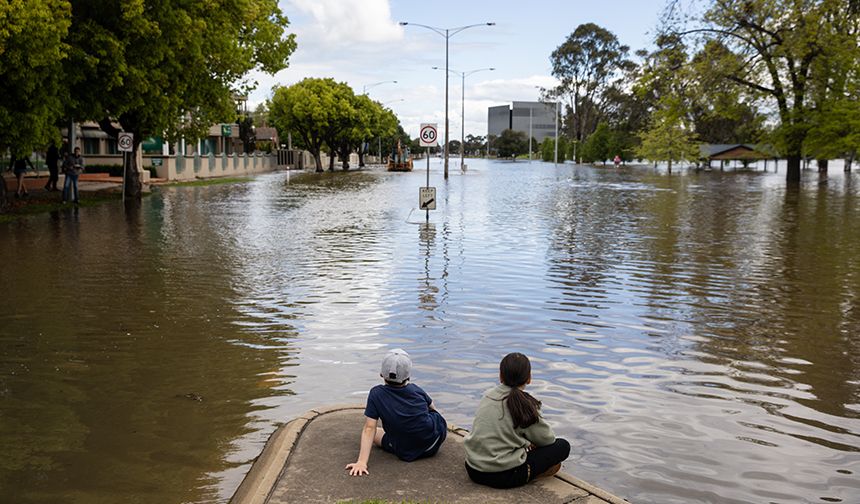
[693, 335]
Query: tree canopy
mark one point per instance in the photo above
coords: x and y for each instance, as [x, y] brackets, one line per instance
[149, 67]
[326, 113]
[794, 53]
[148, 63]
[586, 64]
[511, 143]
[32, 49]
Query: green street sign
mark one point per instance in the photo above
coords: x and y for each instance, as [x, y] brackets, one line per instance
[226, 130]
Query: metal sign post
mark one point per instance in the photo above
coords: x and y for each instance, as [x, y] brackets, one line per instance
[427, 211]
[125, 144]
[428, 137]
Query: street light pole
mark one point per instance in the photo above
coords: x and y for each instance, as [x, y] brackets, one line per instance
[447, 33]
[531, 109]
[555, 159]
[447, 38]
[368, 86]
[463, 123]
[364, 92]
[379, 139]
[463, 76]
[556, 132]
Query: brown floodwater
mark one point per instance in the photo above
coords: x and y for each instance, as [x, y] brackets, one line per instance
[695, 336]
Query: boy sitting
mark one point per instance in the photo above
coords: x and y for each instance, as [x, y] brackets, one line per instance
[413, 427]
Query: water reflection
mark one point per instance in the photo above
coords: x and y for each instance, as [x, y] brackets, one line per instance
[695, 335]
[428, 290]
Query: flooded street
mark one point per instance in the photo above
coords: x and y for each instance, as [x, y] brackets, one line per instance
[696, 337]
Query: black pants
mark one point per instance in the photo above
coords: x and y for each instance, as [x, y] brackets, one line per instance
[537, 462]
[53, 178]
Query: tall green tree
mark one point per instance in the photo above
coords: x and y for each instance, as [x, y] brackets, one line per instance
[670, 136]
[372, 120]
[261, 114]
[389, 141]
[316, 110]
[32, 48]
[597, 145]
[353, 137]
[547, 149]
[772, 48]
[722, 112]
[475, 145]
[511, 143]
[835, 90]
[142, 64]
[586, 64]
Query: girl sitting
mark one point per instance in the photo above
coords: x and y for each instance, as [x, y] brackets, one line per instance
[510, 444]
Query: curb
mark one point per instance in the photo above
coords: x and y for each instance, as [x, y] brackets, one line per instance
[268, 467]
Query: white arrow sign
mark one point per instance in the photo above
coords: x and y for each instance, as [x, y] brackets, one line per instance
[427, 198]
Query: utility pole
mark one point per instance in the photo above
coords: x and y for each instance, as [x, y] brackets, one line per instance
[463, 76]
[556, 132]
[447, 33]
[531, 109]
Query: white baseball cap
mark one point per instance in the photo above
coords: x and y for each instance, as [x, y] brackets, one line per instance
[396, 366]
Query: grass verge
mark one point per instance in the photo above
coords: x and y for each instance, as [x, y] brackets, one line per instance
[208, 182]
[51, 202]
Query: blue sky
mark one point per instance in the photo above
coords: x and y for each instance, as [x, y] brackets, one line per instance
[359, 42]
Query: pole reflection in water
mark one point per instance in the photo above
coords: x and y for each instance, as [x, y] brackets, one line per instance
[428, 291]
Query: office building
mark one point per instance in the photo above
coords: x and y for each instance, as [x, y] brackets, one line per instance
[539, 117]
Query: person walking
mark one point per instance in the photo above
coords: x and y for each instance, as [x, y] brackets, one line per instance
[73, 166]
[18, 165]
[52, 159]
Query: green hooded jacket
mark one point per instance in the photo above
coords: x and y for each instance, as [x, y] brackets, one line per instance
[494, 444]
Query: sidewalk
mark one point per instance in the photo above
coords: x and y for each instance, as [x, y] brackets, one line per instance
[303, 462]
[89, 182]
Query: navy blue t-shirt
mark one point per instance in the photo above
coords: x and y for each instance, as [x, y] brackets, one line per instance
[409, 424]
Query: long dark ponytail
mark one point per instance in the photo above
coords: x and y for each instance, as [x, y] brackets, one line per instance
[515, 370]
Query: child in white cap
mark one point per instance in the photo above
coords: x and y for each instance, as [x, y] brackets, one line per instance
[413, 427]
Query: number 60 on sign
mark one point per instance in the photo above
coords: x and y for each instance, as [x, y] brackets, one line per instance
[428, 135]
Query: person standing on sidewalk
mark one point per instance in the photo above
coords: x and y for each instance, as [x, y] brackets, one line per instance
[73, 166]
[18, 165]
[52, 159]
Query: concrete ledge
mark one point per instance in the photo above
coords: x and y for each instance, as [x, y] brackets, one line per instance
[268, 467]
[273, 479]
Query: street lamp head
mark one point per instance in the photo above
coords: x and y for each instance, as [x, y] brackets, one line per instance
[491, 24]
[403, 23]
[491, 69]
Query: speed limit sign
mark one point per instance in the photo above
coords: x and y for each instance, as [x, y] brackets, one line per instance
[428, 135]
[125, 142]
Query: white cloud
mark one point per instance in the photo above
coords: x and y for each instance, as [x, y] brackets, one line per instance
[520, 89]
[342, 23]
[358, 42]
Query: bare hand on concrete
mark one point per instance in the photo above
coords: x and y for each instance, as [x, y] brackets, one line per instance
[357, 469]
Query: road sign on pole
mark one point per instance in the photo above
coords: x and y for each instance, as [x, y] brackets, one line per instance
[125, 142]
[427, 198]
[428, 135]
